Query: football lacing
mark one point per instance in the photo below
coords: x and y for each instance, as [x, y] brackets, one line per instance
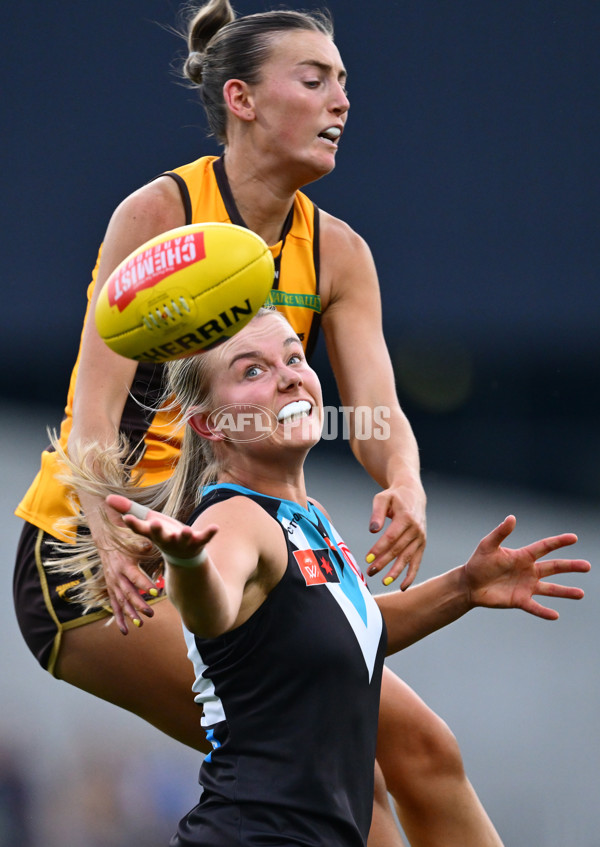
[169, 312]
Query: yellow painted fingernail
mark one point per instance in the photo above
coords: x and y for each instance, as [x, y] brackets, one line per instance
[136, 622]
[370, 558]
[388, 580]
[153, 592]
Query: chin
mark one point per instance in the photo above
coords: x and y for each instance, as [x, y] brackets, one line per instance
[316, 167]
[303, 436]
[319, 173]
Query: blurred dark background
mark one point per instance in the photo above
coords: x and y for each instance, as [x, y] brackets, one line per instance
[469, 165]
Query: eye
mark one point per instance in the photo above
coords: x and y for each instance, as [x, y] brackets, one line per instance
[252, 371]
[312, 83]
[295, 358]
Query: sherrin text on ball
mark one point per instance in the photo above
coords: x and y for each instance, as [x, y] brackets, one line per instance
[184, 291]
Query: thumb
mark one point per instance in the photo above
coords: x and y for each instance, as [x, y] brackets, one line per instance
[495, 538]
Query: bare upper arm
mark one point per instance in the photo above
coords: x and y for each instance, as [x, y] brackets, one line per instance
[352, 317]
[249, 551]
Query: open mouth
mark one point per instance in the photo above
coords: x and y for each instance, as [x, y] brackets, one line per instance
[294, 411]
[331, 134]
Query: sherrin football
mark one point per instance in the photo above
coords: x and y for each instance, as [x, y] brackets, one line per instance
[184, 291]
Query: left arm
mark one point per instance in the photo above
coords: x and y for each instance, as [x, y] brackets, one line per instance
[495, 577]
[356, 346]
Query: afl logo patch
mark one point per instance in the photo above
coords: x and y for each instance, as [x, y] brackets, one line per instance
[316, 566]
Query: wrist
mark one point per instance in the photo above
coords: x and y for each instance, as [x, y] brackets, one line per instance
[407, 478]
[462, 576]
[193, 562]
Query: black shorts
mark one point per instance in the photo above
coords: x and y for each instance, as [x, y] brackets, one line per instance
[43, 602]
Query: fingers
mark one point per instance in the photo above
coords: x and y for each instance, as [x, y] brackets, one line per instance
[536, 549]
[553, 589]
[138, 511]
[118, 502]
[551, 567]
[495, 538]
[534, 608]
[126, 585]
[548, 545]
[404, 544]
[126, 582]
[565, 592]
[118, 613]
[413, 567]
[123, 607]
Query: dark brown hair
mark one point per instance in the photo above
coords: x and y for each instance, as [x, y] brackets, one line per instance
[223, 47]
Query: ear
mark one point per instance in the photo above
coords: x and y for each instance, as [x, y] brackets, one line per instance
[199, 422]
[238, 99]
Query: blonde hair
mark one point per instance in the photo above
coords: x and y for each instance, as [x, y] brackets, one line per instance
[100, 470]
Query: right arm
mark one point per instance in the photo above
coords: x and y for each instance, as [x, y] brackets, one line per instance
[104, 379]
[220, 569]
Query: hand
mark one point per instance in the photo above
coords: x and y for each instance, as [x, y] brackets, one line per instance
[172, 537]
[405, 537]
[501, 578]
[125, 581]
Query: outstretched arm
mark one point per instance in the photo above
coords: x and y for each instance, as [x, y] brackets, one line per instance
[494, 577]
[207, 597]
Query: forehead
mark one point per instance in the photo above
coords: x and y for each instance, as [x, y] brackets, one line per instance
[304, 47]
[261, 335]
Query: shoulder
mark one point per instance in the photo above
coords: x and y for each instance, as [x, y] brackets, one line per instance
[348, 273]
[345, 260]
[237, 504]
[246, 534]
[337, 235]
[319, 506]
[240, 516]
[155, 206]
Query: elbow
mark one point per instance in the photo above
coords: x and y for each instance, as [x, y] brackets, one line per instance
[201, 627]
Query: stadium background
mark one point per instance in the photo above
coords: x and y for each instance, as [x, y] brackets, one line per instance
[469, 165]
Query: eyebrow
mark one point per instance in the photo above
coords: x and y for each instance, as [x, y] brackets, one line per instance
[256, 354]
[323, 66]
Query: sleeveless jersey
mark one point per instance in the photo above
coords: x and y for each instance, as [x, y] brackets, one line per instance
[207, 197]
[291, 696]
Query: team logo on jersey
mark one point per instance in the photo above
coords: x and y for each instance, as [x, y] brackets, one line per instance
[316, 566]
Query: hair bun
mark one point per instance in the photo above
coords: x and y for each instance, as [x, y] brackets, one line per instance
[193, 66]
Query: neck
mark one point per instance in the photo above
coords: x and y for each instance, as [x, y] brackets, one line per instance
[263, 197]
[286, 483]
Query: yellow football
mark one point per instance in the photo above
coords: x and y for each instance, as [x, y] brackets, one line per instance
[184, 291]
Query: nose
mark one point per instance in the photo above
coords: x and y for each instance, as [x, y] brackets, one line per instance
[289, 378]
[341, 103]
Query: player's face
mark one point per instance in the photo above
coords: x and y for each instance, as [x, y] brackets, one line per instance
[301, 104]
[264, 389]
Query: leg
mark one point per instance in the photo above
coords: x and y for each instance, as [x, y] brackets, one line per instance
[384, 830]
[423, 770]
[146, 672]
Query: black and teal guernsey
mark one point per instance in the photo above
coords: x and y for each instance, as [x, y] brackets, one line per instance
[291, 699]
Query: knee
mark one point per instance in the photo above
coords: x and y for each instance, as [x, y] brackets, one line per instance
[426, 751]
[435, 750]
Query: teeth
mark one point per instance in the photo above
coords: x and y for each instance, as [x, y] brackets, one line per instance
[332, 134]
[295, 409]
